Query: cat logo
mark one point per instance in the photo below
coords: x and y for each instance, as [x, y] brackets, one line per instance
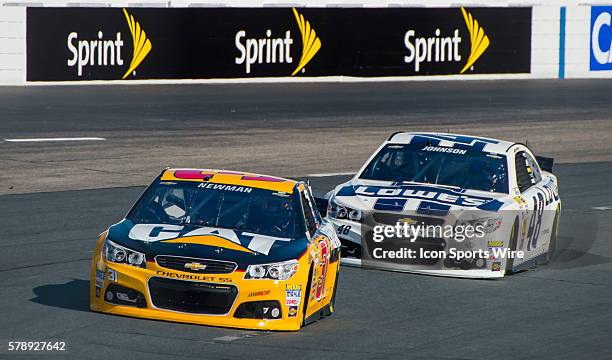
[195, 266]
[104, 52]
[273, 50]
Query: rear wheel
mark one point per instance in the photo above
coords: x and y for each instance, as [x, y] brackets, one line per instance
[512, 245]
[552, 244]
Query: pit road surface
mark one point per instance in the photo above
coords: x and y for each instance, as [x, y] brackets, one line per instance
[560, 311]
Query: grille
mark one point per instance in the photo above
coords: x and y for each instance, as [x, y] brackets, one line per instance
[192, 297]
[209, 266]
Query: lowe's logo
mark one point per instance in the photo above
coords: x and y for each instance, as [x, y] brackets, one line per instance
[601, 38]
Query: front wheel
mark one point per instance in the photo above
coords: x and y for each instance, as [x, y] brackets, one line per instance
[512, 245]
[552, 244]
[332, 302]
[306, 296]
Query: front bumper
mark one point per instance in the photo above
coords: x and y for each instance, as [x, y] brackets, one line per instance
[211, 299]
[350, 234]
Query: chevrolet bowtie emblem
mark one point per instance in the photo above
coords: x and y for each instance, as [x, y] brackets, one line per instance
[195, 266]
[407, 221]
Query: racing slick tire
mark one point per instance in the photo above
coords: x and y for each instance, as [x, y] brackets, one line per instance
[306, 297]
[552, 244]
[512, 245]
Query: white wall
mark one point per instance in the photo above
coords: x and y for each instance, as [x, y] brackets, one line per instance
[12, 45]
[578, 38]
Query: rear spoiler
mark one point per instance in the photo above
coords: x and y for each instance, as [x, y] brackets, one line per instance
[546, 163]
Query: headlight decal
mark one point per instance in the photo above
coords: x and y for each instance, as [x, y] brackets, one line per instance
[338, 211]
[276, 271]
[486, 225]
[122, 255]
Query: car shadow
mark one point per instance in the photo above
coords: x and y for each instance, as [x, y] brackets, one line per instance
[579, 230]
[73, 295]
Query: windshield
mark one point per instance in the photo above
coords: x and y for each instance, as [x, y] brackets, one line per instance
[439, 165]
[233, 207]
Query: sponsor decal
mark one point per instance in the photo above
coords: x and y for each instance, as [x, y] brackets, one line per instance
[444, 196]
[495, 243]
[273, 50]
[441, 49]
[224, 187]
[326, 231]
[113, 275]
[259, 293]
[293, 295]
[204, 43]
[99, 279]
[444, 150]
[103, 52]
[496, 266]
[293, 310]
[520, 201]
[195, 266]
[222, 238]
[601, 38]
[174, 275]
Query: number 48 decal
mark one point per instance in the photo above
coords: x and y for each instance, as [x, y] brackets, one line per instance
[343, 229]
[535, 223]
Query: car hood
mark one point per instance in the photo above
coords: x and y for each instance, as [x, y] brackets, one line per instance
[422, 198]
[241, 247]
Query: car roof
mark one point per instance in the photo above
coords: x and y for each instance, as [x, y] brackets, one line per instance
[230, 178]
[452, 140]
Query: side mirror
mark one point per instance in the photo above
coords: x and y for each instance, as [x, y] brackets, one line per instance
[321, 206]
[545, 163]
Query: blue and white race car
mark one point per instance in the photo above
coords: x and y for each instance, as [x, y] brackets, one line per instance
[448, 182]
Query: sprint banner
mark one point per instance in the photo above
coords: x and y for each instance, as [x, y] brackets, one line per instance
[67, 44]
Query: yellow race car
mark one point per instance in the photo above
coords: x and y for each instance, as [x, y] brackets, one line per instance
[219, 248]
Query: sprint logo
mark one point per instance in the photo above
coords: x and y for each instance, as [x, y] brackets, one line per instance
[273, 50]
[102, 52]
[440, 49]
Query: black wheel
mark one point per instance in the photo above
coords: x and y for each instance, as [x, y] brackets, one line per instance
[512, 245]
[306, 296]
[552, 245]
[332, 303]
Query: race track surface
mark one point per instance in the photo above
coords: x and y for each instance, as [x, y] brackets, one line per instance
[282, 129]
[559, 311]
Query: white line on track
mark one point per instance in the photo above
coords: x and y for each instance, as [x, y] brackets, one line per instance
[56, 139]
[331, 174]
[602, 208]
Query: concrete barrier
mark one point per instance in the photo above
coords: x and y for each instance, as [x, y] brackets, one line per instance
[561, 39]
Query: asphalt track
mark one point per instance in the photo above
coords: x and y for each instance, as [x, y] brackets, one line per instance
[560, 311]
[286, 129]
